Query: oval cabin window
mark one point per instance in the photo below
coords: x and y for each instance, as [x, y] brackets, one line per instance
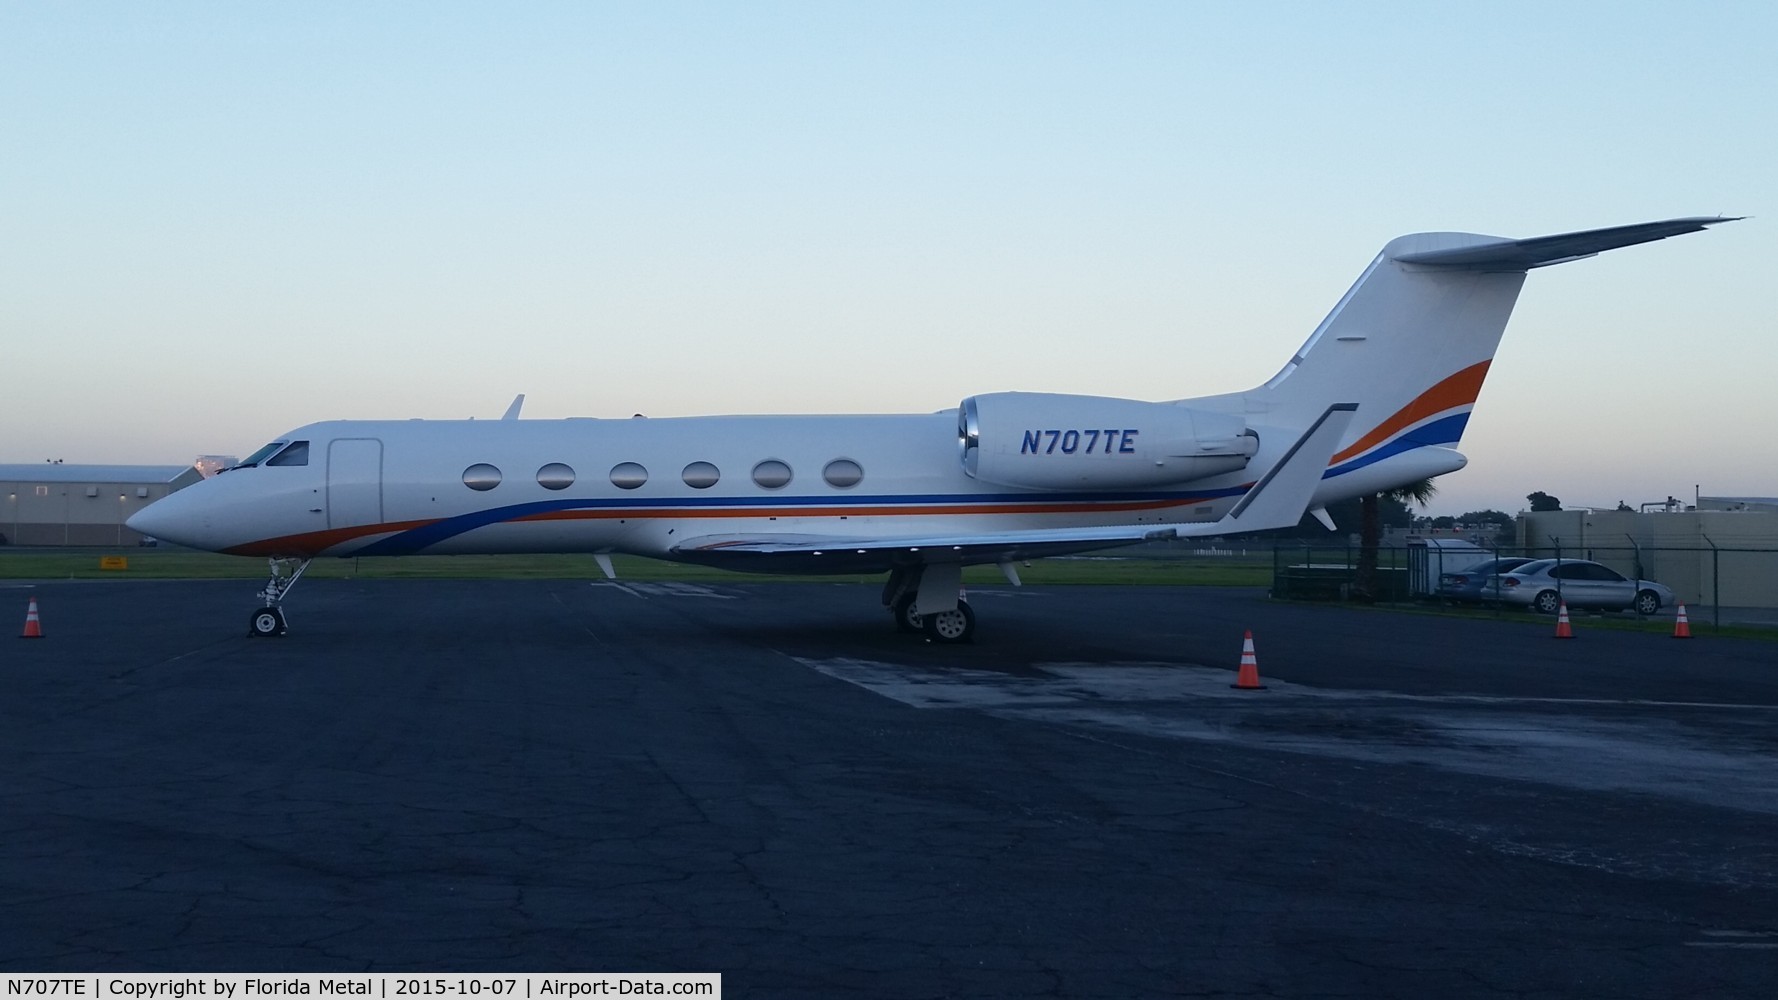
[843, 473]
[628, 475]
[771, 474]
[555, 476]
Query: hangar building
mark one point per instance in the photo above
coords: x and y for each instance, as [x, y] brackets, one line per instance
[55, 504]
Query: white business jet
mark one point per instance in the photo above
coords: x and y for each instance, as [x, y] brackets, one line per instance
[1377, 398]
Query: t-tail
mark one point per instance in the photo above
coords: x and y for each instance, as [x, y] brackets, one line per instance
[1411, 342]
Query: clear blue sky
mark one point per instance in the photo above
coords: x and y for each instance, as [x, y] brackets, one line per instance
[220, 221]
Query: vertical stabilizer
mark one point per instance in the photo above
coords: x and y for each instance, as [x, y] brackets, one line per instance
[1412, 340]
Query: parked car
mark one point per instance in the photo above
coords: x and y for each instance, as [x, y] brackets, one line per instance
[1466, 584]
[1547, 583]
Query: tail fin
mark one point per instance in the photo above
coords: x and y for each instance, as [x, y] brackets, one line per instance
[1411, 341]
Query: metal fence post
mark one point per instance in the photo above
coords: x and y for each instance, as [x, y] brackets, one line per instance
[1558, 572]
[1715, 581]
[1635, 592]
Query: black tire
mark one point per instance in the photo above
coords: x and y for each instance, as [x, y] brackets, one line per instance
[956, 626]
[1546, 603]
[1647, 602]
[266, 622]
[906, 618]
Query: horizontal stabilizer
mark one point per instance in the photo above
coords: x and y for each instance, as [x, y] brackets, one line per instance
[1521, 255]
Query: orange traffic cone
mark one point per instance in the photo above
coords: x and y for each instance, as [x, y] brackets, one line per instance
[1682, 629]
[1248, 677]
[33, 627]
[1563, 630]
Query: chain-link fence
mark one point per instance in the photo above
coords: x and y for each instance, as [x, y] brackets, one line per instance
[1717, 584]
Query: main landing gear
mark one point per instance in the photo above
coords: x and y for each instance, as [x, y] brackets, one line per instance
[902, 596]
[269, 620]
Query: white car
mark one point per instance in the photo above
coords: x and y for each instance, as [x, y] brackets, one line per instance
[1546, 584]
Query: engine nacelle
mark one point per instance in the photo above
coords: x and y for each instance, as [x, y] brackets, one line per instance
[1047, 441]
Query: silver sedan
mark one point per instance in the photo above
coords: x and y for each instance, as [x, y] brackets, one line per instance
[1547, 583]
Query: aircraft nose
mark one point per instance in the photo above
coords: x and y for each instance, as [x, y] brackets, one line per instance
[167, 519]
[149, 520]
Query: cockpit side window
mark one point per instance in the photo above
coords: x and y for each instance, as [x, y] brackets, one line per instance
[296, 454]
[261, 455]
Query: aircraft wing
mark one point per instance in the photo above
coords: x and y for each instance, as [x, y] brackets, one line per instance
[861, 554]
[1278, 500]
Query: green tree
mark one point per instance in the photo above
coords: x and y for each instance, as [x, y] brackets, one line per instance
[1541, 501]
[1505, 525]
[1370, 531]
[1499, 518]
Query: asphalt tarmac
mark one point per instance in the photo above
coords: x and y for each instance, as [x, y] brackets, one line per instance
[768, 782]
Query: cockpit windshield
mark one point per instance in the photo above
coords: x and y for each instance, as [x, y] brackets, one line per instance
[261, 455]
[296, 454]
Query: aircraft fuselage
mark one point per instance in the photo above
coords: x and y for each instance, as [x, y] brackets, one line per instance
[645, 486]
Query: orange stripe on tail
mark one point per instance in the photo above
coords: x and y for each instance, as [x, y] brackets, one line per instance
[1460, 389]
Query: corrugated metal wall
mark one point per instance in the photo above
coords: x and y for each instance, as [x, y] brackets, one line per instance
[73, 513]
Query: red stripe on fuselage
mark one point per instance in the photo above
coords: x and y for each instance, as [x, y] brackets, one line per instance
[313, 543]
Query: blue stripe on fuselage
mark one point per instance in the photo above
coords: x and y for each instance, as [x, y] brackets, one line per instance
[416, 539]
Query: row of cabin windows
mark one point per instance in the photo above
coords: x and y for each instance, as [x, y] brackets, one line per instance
[771, 474]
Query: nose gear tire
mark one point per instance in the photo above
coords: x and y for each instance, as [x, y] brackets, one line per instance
[266, 622]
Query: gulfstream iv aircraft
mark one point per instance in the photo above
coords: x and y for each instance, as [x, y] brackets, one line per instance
[1377, 398]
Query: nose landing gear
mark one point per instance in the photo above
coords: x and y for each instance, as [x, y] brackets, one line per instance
[269, 620]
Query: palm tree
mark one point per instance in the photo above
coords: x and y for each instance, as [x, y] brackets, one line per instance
[1370, 532]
